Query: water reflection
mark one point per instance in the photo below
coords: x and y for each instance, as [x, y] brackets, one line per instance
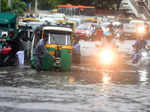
[119, 77]
[143, 75]
[71, 79]
[106, 79]
[29, 77]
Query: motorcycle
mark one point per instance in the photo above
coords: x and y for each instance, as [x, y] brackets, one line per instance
[7, 57]
[141, 57]
[109, 58]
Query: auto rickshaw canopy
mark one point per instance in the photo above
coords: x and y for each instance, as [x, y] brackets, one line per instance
[91, 19]
[6, 18]
[26, 19]
[73, 26]
[7, 21]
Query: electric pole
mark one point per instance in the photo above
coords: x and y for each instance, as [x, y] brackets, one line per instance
[36, 5]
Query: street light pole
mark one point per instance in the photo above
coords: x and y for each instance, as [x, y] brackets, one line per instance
[0, 5]
[9, 3]
[36, 5]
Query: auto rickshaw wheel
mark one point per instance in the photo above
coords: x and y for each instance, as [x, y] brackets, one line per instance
[57, 69]
[13, 61]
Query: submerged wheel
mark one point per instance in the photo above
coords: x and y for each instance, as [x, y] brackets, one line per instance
[57, 69]
[12, 61]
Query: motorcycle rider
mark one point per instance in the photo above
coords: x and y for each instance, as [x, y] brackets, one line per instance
[139, 44]
[109, 41]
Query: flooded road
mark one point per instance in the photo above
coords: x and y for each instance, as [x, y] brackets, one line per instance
[81, 90]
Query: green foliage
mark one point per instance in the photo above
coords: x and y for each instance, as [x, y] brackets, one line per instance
[4, 6]
[48, 4]
[29, 0]
[53, 3]
[18, 7]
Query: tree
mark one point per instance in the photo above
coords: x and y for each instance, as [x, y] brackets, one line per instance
[4, 6]
[48, 4]
[28, 1]
[18, 7]
[53, 3]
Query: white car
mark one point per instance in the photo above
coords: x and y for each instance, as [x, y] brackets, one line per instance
[131, 28]
[51, 17]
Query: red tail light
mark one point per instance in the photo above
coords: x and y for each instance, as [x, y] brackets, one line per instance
[70, 51]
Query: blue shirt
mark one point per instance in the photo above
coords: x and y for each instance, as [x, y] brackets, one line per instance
[140, 44]
[76, 48]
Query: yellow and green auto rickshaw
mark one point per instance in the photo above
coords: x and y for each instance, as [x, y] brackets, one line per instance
[59, 44]
[71, 23]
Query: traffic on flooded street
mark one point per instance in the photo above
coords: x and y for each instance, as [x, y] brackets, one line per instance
[70, 56]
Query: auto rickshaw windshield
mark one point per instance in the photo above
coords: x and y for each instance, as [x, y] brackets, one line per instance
[59, 38]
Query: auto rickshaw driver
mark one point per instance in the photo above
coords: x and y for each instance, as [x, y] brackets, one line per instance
[40, 50]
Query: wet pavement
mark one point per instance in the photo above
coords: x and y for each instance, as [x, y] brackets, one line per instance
[84, 89]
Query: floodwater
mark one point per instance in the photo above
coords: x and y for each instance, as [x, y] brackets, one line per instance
[83, 89]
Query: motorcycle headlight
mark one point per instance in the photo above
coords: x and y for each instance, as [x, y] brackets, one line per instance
[107, 56]
[141, 30]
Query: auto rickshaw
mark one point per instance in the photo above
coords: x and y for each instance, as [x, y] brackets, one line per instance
[71, 23]
[91, 19]
[59, 45]
[30, 19]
